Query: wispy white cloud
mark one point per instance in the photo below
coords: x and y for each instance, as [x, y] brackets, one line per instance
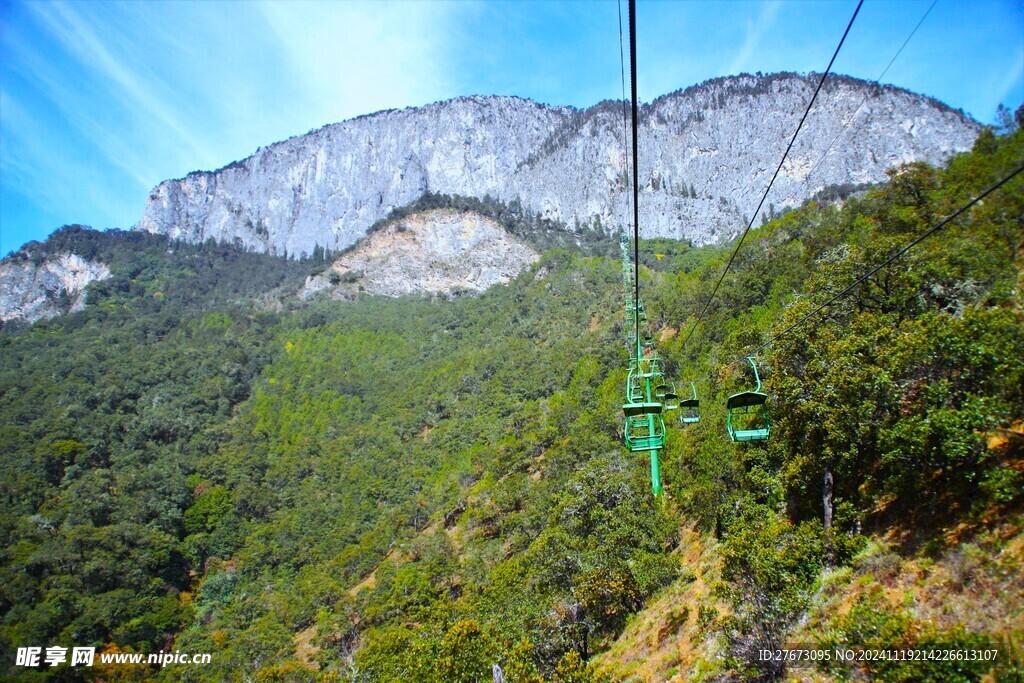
[55, 179]
[102, 100]
[1011, 88]
[355, 57]
[145, 94]
[756, 29]
[48, 81]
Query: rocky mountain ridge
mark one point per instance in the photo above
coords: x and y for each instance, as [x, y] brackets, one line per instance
[706, 154]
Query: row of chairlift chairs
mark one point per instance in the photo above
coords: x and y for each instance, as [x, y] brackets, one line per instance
[746, 412]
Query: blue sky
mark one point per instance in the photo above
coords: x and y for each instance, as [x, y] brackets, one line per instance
[100, 101]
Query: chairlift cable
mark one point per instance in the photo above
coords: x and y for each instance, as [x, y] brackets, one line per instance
[647, 393]
[931, 231]
[750, 224]
[625, 115]
[877, 85]
[636, 166]
[903, 250]
[624, 236]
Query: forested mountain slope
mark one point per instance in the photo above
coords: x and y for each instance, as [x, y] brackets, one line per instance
[414, 489]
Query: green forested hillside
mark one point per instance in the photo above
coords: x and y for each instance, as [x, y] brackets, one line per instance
[413, 489]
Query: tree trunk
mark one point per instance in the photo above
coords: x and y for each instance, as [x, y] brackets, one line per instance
[826, 498]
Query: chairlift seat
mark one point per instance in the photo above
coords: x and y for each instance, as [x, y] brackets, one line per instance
[748, 403]
[645, 432]
[689, 408]
[751, 434]
[689, 411]
[643, 408]
[745, 399]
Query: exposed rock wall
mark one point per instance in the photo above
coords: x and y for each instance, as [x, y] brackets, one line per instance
[31, 291]
[706, 154]
[434, 252]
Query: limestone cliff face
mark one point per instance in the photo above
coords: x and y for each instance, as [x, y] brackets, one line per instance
[31, 291]
[326, 188]
[706, 154]
[434, 252]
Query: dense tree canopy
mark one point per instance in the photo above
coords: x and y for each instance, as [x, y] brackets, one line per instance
[416, 489]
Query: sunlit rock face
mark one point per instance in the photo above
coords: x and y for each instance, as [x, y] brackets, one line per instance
[706, 155]
[31, 291]
[434, 252]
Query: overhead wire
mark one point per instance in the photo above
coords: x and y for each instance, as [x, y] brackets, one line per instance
[785, 155]
[903, 250]
[860, 280]
[836, 297]
[626, 156]
[622, 70]
[877, 86]
[636, 170]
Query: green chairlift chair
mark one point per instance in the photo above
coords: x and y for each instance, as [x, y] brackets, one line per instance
[666, 392]
[747, 415]
[645, 427]
[689, 408]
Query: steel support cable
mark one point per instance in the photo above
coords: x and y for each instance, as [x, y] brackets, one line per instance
[925, 235]
[865, 99]
[876, 87]
[625, 115]
[750, 224]
[636, 169]
[625, 140]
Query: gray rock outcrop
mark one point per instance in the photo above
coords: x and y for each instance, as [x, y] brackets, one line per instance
[31, 291]
[435, 252]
